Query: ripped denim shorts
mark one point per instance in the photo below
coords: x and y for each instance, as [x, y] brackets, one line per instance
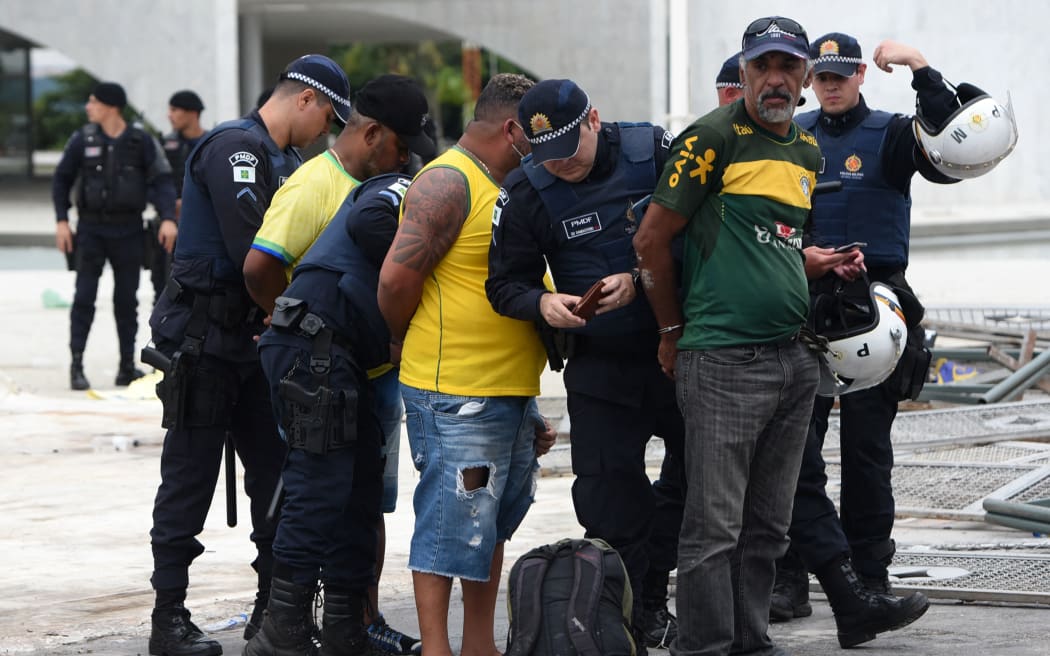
[477, 464]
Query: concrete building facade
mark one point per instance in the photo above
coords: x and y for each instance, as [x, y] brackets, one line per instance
[639, 59]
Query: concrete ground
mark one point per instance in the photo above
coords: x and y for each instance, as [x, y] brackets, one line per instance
[78, 475]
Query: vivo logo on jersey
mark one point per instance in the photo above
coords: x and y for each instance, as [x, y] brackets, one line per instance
[582, 225]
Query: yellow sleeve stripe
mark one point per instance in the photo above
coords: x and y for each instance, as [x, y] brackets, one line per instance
[777, 180]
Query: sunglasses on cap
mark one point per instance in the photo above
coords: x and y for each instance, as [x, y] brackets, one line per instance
[759, 26]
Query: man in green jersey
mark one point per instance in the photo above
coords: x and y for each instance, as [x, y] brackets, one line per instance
[739, 182]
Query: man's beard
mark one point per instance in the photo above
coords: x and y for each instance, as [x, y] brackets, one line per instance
[776, 115]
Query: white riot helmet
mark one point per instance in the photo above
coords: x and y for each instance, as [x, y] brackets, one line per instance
[974, 139]
[865, 338]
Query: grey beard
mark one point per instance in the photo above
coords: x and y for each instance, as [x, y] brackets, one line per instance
[771, 115]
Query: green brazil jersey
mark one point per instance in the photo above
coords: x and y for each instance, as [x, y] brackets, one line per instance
[746, 195]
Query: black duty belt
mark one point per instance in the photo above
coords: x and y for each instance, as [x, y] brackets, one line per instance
[108, 218]
[228, 309]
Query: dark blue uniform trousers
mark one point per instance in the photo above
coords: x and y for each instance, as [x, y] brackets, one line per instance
[332, 500]
[190, 462]
[612, 494]
[122, 245]
[867, 507]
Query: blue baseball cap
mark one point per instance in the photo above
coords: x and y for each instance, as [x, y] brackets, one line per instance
[325, 76]
[551, 113]
[729, 75]
[775, 34]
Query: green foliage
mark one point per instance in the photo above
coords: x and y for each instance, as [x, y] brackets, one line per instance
[61, 111]
[437, 65]
[58, 113]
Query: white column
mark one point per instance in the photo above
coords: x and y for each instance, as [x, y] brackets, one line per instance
[678, 64]
[251, 60]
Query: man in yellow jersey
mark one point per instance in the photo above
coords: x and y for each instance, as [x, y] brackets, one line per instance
[385, 123]
[389, 118]
[468, 375]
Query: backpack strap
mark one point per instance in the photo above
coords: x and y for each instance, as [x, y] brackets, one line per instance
[526, 591]
[588, 577]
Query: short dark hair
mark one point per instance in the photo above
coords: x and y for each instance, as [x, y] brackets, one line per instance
[288, 88]
[500, 96]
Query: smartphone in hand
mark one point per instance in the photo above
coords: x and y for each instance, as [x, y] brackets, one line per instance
[850, 246]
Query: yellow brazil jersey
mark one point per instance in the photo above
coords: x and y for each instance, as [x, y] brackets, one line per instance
[456, 343]
[302, 208]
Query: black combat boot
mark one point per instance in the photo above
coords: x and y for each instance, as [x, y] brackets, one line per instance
[790, 591]
[127, 372]
[77, 379]
[173, 634]
[343, 632]
[287, 627]
[860, 614]
[262, 599]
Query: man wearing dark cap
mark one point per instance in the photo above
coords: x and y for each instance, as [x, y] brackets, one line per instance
[669, 488]
[184, 114]
[119, 167]
[727, 82]
[386, 123]
[740, 183]
[468, 376]
[389, 119]
[575, 203]
[205, 323]
[874, 155]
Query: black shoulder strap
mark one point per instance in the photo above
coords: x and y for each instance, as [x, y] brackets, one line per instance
[526, 591]
[588, 565]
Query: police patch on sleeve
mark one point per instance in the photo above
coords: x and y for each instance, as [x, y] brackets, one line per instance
[501, 202]
[244, 174]
[243, 164]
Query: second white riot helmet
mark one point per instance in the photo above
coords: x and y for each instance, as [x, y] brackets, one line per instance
[973, 140]
[865, 337]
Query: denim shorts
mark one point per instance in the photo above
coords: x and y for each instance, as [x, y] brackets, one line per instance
[456, 529]
[390, 410]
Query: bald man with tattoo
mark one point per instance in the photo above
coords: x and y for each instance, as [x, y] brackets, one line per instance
[469, 377]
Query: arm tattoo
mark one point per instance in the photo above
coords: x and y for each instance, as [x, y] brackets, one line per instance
[435, 209]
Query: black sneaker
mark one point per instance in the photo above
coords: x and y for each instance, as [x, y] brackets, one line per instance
[790, 597]
[387, 640]
[658, 627]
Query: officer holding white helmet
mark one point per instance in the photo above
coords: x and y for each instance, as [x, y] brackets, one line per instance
[864, 306]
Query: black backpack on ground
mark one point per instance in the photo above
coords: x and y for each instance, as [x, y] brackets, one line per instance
[570, 598]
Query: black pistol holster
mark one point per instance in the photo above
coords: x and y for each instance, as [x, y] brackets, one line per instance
[205, 402]
[323, 419]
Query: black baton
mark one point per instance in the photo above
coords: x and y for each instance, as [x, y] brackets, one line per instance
[231, 483]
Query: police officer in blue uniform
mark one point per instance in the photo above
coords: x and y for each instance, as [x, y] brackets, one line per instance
[326, 332]
[120, 168]
[574, 204]
[204, 323]
[184, 114]
[874, 155]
